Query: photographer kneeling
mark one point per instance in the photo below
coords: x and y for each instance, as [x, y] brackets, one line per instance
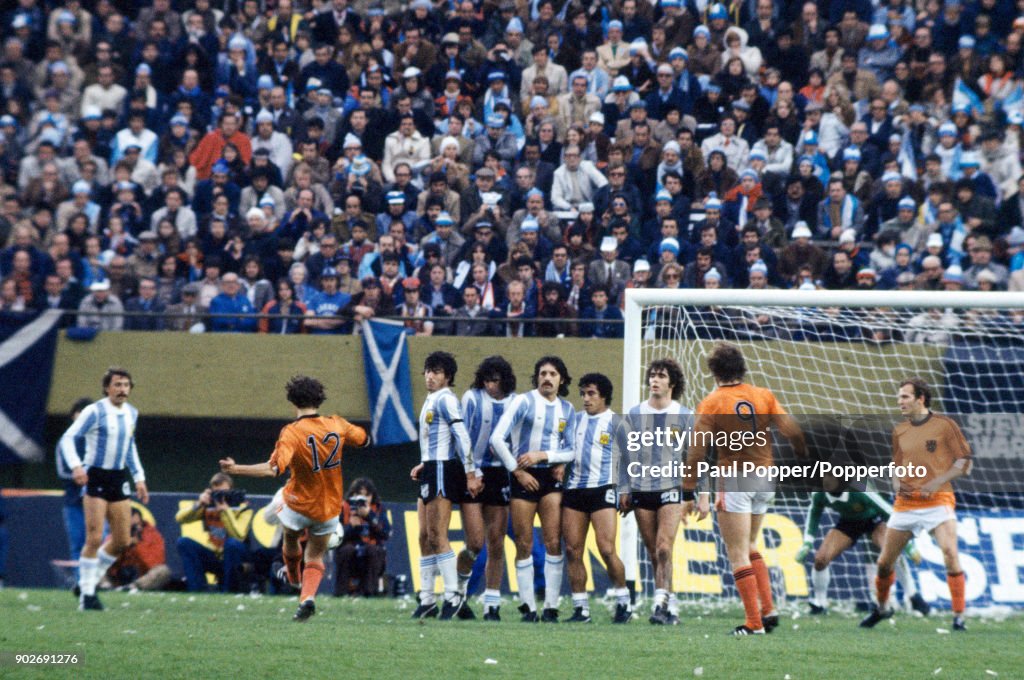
[226, 517]
[142, 566]
[362, 554]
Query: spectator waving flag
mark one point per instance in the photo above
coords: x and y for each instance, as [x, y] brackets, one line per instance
[27, 347]
[965, 96]
[386, 360]
[1013, 101]
[908, 164]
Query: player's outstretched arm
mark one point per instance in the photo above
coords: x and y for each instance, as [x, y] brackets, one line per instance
[229, 466]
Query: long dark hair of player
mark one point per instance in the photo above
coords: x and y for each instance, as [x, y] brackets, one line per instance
[563, 372]
[674, 372]
[495, 367]
[444, 362]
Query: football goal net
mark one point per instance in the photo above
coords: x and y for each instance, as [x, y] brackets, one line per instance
[834, 360]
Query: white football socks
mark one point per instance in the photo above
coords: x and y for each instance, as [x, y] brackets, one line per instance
[524, 575]
[88, 574]
[552, 580]
[446, 564]
[428, 566]
[819, 583]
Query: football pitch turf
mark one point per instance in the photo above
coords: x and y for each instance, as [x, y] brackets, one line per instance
[177, 635]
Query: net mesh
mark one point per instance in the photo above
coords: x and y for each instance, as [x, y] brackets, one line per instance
[841, 366]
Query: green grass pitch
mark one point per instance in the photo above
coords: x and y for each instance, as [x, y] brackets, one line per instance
[177, 635]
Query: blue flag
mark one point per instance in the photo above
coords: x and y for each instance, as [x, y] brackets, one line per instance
[386, 361]
[964, 96]
[1013, 101]
[27, 347]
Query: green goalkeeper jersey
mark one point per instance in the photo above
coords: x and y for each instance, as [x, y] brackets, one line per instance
[851, 505]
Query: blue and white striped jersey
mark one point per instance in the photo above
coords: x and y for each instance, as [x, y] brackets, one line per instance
[443, 434]
[482, 412]
[103, 436]
[593, 462]
[645, 418]
[532, 423]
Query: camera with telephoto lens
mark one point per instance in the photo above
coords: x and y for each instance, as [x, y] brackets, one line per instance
[358, 502]
[233, 497]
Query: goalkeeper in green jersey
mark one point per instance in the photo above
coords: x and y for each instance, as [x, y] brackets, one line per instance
[860, 513]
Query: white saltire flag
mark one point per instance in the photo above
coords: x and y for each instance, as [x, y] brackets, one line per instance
[27, 347]
[389, 387]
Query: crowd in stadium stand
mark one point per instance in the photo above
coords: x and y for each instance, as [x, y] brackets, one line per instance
[478, 167]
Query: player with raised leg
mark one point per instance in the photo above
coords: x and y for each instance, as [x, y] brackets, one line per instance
[310, 447]
[923, 503]
[485, 517]
[861, 513]
[447, 474]
[537, 425]
[99, 448]
[736, 409]
[656, 500]
[589, 498]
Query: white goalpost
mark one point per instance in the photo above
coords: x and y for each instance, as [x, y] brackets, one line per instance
[834, 359]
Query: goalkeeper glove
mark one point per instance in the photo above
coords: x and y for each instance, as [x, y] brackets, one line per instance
[804, 551]
[912, 553]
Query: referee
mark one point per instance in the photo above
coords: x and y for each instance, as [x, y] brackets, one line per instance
[98, 448]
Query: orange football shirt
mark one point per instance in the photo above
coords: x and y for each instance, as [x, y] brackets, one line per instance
[935, 445]
[311, 447]
[738, 409]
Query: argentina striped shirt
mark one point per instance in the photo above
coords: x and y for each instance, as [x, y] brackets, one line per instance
[443, 434]
[482, 413]
[593, 462]
[532, 423]
[645, 418]
[103, 436]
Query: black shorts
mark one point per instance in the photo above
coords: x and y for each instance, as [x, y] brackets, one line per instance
[590, 500]
[544, 478]
[443, 479]
[654, 500]
[855, 528]
[496, 488]
[110, 485]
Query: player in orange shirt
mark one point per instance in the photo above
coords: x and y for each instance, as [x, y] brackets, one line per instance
[311, 448]
[924, 503]
[735, 409]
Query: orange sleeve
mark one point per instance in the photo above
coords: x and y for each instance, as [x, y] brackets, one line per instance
[281, 458]
[244, 147]
[775, 407]
[957, 442]
[355, 435]
[199, 158]
[897, 453]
